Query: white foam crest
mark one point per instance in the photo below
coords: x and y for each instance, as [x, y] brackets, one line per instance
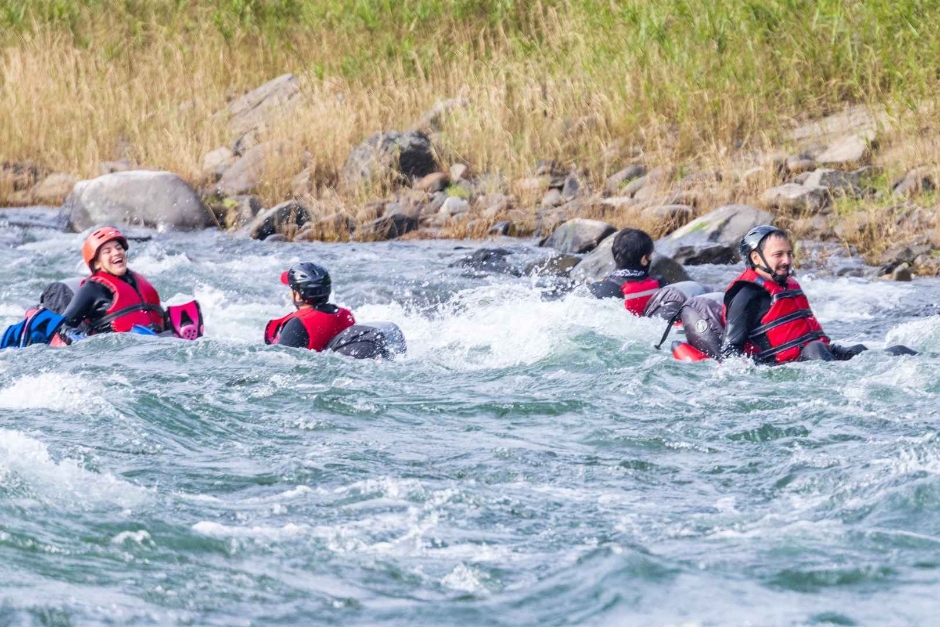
[497, 326]
[11, 311]
[232, 321]
[150, 265]
[65, 481]
[849, 298]
[465, 579]
[255, 532]
[56, 391]
[922, 334]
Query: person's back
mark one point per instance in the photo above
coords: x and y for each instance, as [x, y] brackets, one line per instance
[633, 252]
[315, 322]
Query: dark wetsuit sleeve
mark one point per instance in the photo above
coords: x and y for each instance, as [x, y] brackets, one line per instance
[605, 289]
[745, 312]
[91, 302]
[293, 334]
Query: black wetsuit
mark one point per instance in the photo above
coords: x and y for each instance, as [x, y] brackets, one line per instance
[91, 303]
[612, 286]
[747, 308]
[294, 333]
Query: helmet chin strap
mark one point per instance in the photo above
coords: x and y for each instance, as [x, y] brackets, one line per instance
[779, 279]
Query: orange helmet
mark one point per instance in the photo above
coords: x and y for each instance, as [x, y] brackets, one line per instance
[97, 239]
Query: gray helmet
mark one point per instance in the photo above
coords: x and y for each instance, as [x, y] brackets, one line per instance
[309, 280]
[752, 241]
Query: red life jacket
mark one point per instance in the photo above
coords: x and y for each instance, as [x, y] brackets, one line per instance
[321, 326]
[789, 324]
[130, 306]
[636, 294]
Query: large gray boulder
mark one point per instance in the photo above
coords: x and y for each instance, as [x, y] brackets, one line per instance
[796, 198]
[600, 263]
[139, 198]
[714, 237]
[578, 236]
[391, 155]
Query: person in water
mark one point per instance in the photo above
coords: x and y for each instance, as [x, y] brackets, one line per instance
[633, 254]
[113, 298]
[316, 322]
[767, 316]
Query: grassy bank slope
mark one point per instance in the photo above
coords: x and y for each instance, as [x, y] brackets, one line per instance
[86, 81]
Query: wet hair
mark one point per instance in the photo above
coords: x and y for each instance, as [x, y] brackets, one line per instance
[630, 246]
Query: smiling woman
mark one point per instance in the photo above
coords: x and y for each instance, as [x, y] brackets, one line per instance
[113, 298]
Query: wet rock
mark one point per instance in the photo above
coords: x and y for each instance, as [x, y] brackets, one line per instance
[250, 170]
[287, 217]
[53, 189]
[557, 265]
[670, 270]
[901, 273]
[141, 198]
[432, 121]
[914, 183]
[433, 182]
[578, 236]
[713, 237]
[276, 238]
[258, 106]
[622, 178]
[797, 198]
[853, 150]
[389, 156]
[489, 260]
[387, 227]
[216, 162]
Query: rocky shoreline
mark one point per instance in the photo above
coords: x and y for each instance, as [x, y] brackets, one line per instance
[394, 185]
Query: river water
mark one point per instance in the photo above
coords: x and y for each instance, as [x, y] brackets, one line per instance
[530, 461]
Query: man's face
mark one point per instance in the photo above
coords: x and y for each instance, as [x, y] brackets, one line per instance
[778, 252]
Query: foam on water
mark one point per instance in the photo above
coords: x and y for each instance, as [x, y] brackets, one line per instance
[63, 483]
[529, 461]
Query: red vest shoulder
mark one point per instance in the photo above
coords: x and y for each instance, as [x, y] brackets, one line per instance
[636, 294]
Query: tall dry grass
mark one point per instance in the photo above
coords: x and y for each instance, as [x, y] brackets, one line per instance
[591, 84]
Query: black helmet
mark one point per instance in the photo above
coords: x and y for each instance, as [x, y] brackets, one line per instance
[309, 280]
[753, 239]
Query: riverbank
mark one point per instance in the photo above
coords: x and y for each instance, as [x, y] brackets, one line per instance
[547, 111]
